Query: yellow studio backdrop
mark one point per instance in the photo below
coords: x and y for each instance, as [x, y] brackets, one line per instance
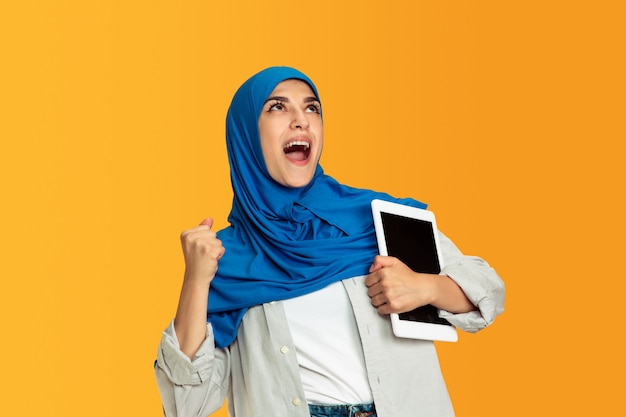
[506, 117]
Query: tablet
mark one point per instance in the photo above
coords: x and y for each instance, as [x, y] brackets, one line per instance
[410, 234]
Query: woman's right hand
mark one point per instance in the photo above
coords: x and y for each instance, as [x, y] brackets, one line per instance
[202, 251]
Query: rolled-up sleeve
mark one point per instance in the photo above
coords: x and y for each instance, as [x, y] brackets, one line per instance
[480, 283]
[188, 387]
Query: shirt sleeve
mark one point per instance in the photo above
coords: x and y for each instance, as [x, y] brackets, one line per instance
[480, 283]
[188, 387]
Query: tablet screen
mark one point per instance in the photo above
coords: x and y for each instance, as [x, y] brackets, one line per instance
[413, 242]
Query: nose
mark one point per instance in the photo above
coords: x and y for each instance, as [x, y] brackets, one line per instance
[299, 121]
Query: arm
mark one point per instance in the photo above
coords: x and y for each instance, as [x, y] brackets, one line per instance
[480, 283]
[202, 251]
[468, 291]
[192, 375]
[191, 387]
[395, 288]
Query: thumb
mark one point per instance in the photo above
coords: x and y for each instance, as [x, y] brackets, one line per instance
[207, 222]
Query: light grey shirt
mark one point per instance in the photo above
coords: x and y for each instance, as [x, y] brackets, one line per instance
[259, 374]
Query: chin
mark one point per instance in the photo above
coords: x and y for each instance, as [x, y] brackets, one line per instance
[299, 182]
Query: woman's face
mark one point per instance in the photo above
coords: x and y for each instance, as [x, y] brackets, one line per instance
[292, 135]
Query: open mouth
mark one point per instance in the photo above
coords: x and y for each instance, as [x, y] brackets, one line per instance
[297, 150]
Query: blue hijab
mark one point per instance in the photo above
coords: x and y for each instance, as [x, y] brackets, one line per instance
[283, 242]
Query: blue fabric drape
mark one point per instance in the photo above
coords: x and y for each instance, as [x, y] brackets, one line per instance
[283, 242]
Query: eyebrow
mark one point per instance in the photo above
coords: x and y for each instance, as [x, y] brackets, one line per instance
[285, 99]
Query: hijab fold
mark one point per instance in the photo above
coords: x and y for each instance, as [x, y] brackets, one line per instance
[283, 242]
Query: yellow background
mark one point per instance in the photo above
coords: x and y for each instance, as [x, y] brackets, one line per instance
[506, 117]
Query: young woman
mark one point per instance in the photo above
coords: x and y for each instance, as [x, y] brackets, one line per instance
[297, 298]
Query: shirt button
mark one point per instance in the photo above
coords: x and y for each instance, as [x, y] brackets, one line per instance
[284, 349]
[296, 401]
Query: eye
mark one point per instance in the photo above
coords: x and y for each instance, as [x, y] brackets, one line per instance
[277, 106]
[314, 108]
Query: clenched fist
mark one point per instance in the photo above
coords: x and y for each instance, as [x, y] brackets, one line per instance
[394, 288]
[202, 251]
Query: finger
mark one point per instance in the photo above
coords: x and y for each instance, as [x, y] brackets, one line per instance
[217, 252]
[382, 262]
[199, 233]
[384, 309]
[375, 265]
[203, 226]
[371, 279]
[378, 300]
[207, 222]
[382, 306]
[373, 291]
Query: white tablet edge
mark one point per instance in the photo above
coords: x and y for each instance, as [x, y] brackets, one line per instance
[406, 328]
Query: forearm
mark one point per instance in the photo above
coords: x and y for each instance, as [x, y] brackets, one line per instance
[190, 321]
[191, 388]
[448, 296]
[479, 282]
[202, 251]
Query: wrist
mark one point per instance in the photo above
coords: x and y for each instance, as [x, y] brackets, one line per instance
[449, 296]
[194, 279]
[429, 287]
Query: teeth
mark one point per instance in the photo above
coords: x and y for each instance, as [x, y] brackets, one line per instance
[298, 143]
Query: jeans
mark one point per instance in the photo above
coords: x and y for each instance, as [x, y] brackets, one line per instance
[354, 410]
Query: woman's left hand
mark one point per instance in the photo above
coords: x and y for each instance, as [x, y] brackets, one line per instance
[394, 288]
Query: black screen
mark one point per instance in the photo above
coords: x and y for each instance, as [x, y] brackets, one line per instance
[413, 242]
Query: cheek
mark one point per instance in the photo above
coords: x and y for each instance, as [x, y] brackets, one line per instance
[268, 155]
[271, 129]
[267, 137]
[319, 132]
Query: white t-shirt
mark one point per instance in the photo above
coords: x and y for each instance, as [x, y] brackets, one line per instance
[328, 346]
